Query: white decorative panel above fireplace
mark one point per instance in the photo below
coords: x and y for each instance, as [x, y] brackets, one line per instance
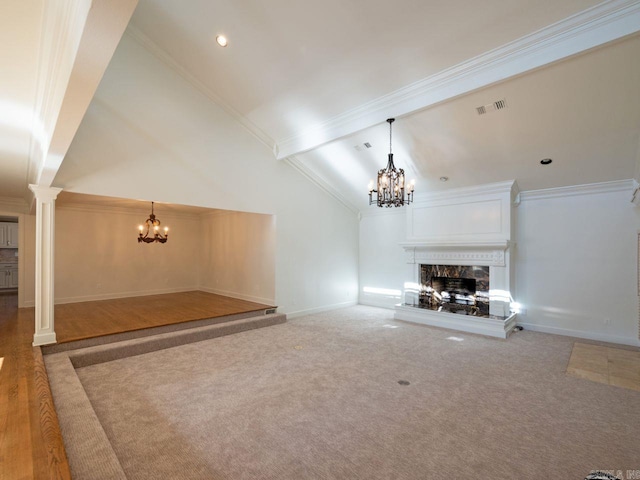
[465, 215]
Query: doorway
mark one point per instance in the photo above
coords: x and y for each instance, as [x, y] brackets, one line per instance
[9, 258]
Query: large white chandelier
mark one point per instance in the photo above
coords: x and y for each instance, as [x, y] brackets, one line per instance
[391, 190]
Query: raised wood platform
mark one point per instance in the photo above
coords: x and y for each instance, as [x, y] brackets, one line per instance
[79, 321]
[30, 441]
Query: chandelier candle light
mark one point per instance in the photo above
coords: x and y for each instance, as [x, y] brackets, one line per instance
[152, 222]
[390, 187]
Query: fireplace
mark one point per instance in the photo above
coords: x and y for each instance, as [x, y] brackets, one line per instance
[460, 286]
[457, 289]
[459, 259]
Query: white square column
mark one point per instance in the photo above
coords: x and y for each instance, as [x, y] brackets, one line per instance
[45, 243]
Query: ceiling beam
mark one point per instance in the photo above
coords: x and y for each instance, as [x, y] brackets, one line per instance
[604, 23]
[79, 38]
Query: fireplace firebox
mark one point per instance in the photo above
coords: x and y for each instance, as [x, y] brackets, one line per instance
[455, 288]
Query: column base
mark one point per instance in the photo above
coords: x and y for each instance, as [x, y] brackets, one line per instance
[44, 339]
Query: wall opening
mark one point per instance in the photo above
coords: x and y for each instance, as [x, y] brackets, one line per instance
[9, 255]
[98, 256]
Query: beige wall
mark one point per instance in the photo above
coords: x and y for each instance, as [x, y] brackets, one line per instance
[98, 255]
[238, 260]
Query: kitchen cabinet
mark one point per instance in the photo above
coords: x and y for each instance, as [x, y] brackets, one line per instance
[8, 276]
[8, 235]
[13, 277]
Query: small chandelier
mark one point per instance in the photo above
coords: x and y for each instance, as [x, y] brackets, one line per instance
[152, 222]
[390, 187]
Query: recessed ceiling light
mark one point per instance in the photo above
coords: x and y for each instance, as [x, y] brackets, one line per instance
[546, 161]
[444, 179]
[222, 40]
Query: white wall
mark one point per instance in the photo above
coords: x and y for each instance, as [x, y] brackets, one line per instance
[576, 264]
[149, 134]
[98, 255]
[238, 260]
[383, 264]
[575, 261]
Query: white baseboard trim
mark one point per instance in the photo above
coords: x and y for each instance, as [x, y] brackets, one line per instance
[602, 337]
[326, 308]
[110, 296]
[377, 303]
[240, 296]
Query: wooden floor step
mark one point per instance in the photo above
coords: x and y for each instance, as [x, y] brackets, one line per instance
[145, 332]
[112, 351]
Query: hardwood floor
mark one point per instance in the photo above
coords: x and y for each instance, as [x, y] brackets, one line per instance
[31, 445]
[77, 321]
[30, 441]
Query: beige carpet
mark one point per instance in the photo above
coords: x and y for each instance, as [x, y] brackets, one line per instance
[253, 406]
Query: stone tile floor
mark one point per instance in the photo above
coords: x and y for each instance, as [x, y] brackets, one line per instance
[611, 366]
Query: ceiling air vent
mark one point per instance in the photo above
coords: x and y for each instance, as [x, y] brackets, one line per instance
[359, 148]
[492, 107]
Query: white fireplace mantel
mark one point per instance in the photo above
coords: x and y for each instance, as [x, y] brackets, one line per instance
[495, 255]
[457, 253]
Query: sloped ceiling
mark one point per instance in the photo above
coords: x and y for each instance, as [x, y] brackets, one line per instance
[313, 80]
[292, 67]
[583, 113]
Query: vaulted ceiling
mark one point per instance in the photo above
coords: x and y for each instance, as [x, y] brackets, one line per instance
[315, 81]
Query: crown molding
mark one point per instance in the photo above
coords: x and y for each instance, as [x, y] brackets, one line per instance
[497, 188]
[635, 196]
[136, 211]
[142, 39]
[575, 190]
[603, 23]
[14, 204]
[224, 213]
[320, 182]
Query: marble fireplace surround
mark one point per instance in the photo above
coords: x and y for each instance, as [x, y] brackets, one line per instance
[494, 254]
